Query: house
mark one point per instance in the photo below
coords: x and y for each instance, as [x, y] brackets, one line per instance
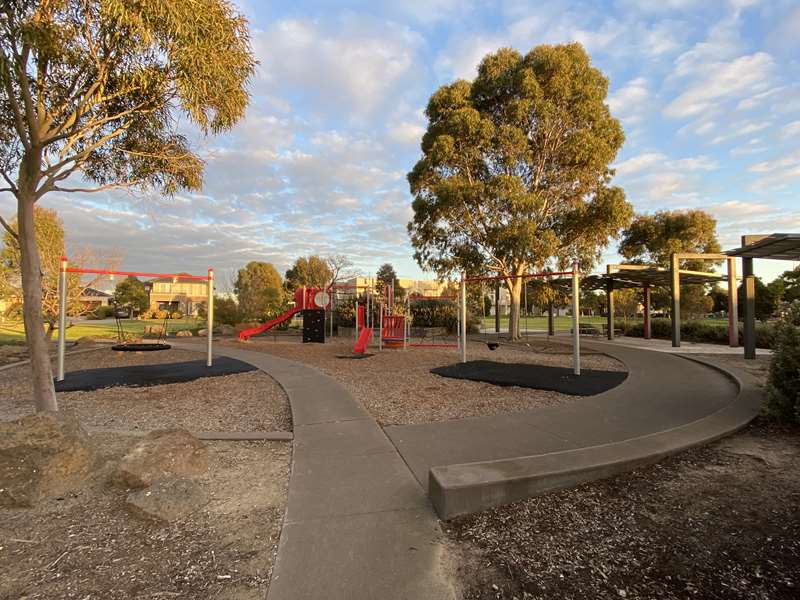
[421, 287]
[93, 298]
[177, 294]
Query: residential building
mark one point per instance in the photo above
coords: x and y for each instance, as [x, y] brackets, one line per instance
[93, 298]
[177, 294]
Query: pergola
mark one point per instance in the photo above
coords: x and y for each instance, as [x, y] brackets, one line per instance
[777, 246]
[647, 277]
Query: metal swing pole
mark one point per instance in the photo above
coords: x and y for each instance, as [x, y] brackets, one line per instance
[576, 338]
[463, 312]
[62, 316]
[210, 317]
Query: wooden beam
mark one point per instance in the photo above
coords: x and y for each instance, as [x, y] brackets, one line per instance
[675, 289]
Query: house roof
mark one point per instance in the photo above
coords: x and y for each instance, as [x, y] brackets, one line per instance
[95, 293]
[178, 279]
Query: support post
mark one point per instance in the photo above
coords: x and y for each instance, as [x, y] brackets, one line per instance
[463, 319]
[551, 326]
[647, 332]
[62, 316]
[675, 293]
[380, 328]
[497, 308]
[576, 308]
[609, 305]
[210, 317]
[733, 305]
[749, 308]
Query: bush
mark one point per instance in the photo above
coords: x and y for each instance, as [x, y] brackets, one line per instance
[434, 313]
[176, 315]
[783, 383]
[700, 331]
[101, 312]
[160, 315]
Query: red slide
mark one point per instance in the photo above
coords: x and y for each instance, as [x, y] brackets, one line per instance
[246, 333]
[363, 340]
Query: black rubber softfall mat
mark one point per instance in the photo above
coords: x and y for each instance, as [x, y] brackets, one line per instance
[147, 375]
[555, 379]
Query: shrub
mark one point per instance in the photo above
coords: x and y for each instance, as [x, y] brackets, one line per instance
[434, 313]
[176, 315]
[160, 314]
[699, 331]
[783, 383]
[101, 312]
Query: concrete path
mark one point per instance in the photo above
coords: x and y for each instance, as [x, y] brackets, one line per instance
[662, 392]
[357, 524]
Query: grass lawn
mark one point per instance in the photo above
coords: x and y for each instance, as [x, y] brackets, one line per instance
[565, 322]
[13, 333]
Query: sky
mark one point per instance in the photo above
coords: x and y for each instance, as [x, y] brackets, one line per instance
[708, 94]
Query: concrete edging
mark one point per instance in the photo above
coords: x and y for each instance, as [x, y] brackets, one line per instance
[461, 489]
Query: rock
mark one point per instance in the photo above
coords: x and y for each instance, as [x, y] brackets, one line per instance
[183, 333]
[42, 456]
[86, 340]
[167, 500]
[228, 330]
[159, 455]
[202, 333]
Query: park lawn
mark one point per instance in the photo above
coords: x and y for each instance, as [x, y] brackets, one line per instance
[561, 322]
[14, 333]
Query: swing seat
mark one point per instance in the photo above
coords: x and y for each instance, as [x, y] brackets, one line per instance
[492, 345]
[136, 347]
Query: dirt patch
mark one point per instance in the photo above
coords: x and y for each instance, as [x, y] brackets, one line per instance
[87, 545]
[715, 522]
[397, 387]
[244, 402]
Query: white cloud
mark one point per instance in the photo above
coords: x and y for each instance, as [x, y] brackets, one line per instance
[631, 101]
[791, 130]
[777, 173]
[354, 64]
[726, 80]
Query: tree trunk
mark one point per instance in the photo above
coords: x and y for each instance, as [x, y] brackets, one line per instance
[515, 291]
[44, 393]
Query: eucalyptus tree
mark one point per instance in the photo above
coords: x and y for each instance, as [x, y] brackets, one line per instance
[93, 91]
[515, 169]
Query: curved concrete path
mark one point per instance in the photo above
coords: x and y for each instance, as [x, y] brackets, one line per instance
[667, 403]
[357, 523]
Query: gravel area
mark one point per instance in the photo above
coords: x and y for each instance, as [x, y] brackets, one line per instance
[244, 402]
[396, 385]
[86, 545]
[718, 522]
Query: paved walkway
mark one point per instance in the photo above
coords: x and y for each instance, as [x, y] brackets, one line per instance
[662, 392]
[357, 523]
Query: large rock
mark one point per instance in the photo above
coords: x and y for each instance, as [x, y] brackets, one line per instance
[167, 500]
[159, 455]
[42, 456]
[183, 333]
[228, 330]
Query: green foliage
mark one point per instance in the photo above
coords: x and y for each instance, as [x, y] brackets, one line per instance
[226, 311]
[700, 331]
[719, 299]
[50, 239]
[131, 293]
[765, 301]
[102, 312]
[652, 239]
[309, 272]
[515, 168]
[260, 291]
[110, 79]
[783, 383]
[434, 313]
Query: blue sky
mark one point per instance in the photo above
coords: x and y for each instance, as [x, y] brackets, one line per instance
[708, 94]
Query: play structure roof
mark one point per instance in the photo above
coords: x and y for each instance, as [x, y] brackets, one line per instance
[646, 277]
[778, 246]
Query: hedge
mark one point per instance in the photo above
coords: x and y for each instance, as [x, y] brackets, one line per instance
[783, 382]
[699, 331]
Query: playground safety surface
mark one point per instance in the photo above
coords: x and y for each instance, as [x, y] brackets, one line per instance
[149, 375]
[540, 377]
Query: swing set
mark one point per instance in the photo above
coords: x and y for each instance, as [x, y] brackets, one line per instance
[124, 343]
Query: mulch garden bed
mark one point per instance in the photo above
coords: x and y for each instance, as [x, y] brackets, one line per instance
[720, 522]
[397, 387]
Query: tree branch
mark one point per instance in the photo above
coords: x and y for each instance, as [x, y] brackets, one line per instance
[12, 188]
[8, 228]
[19, 122]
